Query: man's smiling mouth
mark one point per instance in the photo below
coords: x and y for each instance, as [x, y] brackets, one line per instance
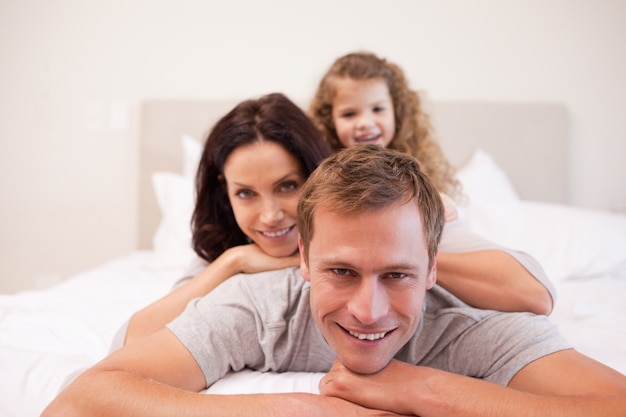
[367, 336]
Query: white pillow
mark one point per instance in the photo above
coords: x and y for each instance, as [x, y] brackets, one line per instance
[247, 381]
[192, 152]
[569, 242]
[484, 182]
[175, 195]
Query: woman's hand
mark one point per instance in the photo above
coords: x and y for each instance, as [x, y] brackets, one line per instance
[251, 259]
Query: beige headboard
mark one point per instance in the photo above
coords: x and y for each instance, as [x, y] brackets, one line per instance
[528, 140]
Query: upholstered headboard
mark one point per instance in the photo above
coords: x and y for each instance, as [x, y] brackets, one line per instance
[528, 140]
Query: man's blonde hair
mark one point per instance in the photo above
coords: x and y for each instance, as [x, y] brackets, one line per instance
[367, 178]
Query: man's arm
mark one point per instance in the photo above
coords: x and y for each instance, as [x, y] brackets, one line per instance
[564, 383]
[157, 376]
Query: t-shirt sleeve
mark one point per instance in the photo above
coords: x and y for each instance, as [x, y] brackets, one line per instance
[220, 331]
[243, 323]
[514, 340]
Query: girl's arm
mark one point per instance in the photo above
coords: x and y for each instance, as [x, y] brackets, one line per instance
[487, 276]
[492, 279]
[245, 258]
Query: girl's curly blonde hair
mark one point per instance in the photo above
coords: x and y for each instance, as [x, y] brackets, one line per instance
[414, 132]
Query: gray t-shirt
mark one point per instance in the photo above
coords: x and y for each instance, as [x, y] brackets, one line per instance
[263, 322]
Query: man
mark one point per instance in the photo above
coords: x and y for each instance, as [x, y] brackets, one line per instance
[370, 223]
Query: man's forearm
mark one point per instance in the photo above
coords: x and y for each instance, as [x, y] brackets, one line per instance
[115, 393]
[427, 392]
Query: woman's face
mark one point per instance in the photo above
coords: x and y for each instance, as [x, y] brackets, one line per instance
[263, 183]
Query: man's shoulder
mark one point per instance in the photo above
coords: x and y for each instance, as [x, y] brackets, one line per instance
[270, 279]
[444, 311]
[291, 272]
[271, 286]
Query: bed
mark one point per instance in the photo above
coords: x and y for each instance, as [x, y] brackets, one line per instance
[512, 160]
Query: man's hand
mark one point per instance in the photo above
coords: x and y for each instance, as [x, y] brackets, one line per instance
[384, 390]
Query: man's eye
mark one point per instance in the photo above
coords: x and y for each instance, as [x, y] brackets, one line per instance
[396, 275]
[341, 272]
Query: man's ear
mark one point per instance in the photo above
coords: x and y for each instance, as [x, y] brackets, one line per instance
[304, 269]
[432, 276]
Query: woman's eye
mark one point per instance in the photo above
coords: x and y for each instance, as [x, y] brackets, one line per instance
[244, 193]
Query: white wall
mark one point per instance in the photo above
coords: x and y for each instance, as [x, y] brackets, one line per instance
[73, 73]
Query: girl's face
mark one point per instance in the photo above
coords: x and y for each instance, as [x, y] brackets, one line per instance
[263, 182]
[363, 112]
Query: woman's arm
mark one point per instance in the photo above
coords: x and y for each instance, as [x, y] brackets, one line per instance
[245, 258]
[492, 279]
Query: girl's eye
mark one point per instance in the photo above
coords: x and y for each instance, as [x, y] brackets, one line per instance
[379, 109]
[347, 114]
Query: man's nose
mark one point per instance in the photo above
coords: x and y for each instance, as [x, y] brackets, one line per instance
[369, 302]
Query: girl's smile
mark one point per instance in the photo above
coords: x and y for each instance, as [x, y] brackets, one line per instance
[363, 112]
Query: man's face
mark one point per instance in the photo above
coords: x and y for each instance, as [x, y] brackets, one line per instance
[368, 274]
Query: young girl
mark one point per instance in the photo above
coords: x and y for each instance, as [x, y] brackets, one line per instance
[366, 99]
[254, 162]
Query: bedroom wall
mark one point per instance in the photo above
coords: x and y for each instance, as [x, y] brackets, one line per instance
[74, 72]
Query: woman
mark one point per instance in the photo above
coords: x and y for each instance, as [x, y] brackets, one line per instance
[254, 162]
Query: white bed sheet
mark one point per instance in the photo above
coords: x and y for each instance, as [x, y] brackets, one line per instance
[47, 335]
[591, 314]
